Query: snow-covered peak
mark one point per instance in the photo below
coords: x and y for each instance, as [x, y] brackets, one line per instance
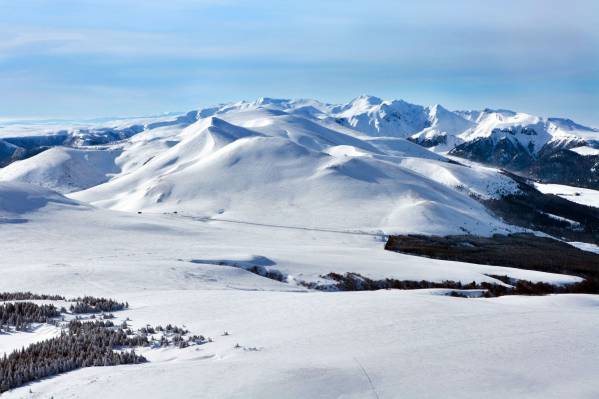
[376, 117]
[373, 116]
[309, 123]
[443, 120]
[477, 116]
[437, 110]
[566, 129]
[363, 103]
[272, 101]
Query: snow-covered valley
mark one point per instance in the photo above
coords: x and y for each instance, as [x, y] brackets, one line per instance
[169, 219]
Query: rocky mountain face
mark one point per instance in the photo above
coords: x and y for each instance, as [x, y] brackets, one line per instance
[566, 167]
[504, 152]
[551, 150]
[10, 152]
[555, 162]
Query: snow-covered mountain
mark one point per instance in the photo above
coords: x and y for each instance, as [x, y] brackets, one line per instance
[302, 162]
[434, 126]
[279, 162]
[554, 150]
[525, 143]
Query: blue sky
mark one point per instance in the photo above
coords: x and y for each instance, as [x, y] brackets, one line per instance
[91, 58]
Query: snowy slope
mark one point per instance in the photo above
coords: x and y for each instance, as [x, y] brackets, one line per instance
[384, 345]
[22, 199]
[284, 169]
[9, 152]
[75, 247]
[586, 150]
[64, 169]
[579, 195]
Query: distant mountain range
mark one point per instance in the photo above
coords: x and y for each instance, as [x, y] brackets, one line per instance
[369, 166]
[551, 150]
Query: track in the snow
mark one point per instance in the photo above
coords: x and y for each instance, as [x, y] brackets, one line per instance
[279, 226]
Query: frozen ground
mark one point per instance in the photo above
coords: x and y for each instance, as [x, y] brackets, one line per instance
[383, 344]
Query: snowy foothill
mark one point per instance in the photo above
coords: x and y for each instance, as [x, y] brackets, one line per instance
[258, 163]
[65, 169]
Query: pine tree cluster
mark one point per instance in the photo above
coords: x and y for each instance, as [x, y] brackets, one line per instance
[83, 344]
[90, 304]
[27, 296]
[21, 314]
[171, 335]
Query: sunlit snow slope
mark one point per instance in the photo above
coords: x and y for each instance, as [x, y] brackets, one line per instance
[276, 162]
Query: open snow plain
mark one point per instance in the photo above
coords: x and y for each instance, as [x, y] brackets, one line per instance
[267, 188]
[384, 344]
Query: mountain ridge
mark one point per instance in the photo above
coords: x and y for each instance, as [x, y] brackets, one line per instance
[277, 160]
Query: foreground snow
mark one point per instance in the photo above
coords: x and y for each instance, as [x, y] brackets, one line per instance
[384, 344]
[294, 343]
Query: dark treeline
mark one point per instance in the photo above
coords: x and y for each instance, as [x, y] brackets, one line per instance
[27, 296]
[90, 304]
[522, 251]
[357, 282]
[21, 314]
[83, 344]
[86, 304]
